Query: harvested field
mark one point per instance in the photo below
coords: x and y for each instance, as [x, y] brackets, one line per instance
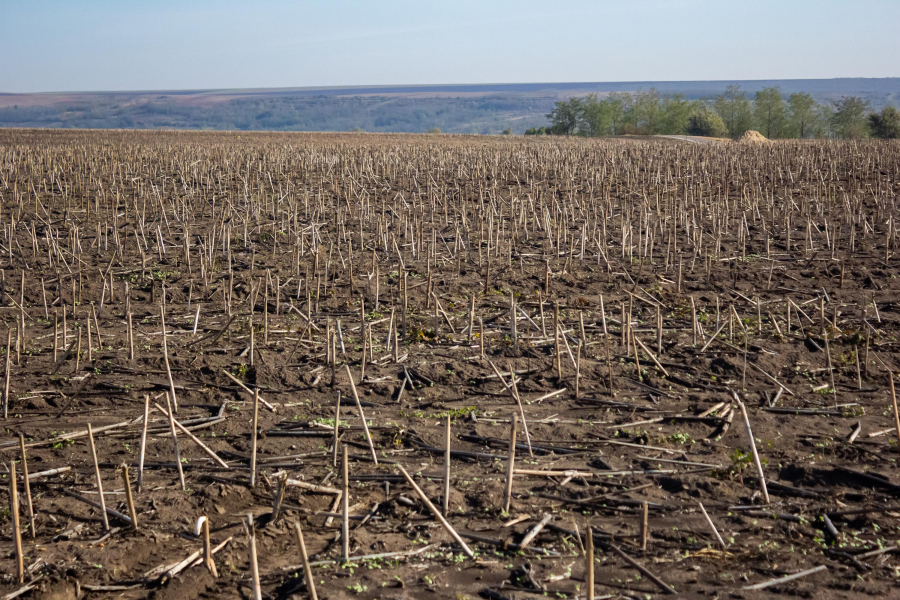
[614, 315]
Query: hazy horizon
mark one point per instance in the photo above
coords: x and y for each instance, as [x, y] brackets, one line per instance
[567, 84]
[103, 46]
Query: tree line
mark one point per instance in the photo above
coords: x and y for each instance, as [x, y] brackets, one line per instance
[730, 114]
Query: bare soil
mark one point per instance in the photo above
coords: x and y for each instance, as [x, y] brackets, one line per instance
[79, 209]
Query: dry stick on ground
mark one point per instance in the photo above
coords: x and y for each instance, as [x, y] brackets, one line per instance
[101, 498]
[446, 498]
[756, 460]
[215, 335]
[78, 347]
[711, 410]
[345, 504]
[894, 404]
[556, 344]
[337, 426]
[202, 527]
[713, 337]
[830, 368]
[435, 512]
[194, 438]
[770, 378]
[778, 580]
[6, 377]
[645, 524]
[252, 343]
[656, 580]
[362, 417]
[512, 320]
[319, 489]
[334, 507]
[89, 502]
[253, 438]
[249, 391]
[140, 479]
[471, 326]
[535, 531]
[650, 354]
[129, 498]
[25, 478]
[254, 562]
[694, 320]
[130, 339]
[307, 570]
[589, 562]
[278, 499]
[712, 525]
[577, 370]
[515, 395]
[609, 373]
[362, 362]
[515, 391]
[775, 323]
[175, 443]
[744, 369]
[510, 462]
[481, 336]
[17, 528]
[165, 349]
[549, 395]
[858, 373]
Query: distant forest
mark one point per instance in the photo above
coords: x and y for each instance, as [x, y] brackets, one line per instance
[852, 107]
[730, 114]
[488, 114]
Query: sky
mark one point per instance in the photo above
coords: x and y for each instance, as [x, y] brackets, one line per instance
[98, 45]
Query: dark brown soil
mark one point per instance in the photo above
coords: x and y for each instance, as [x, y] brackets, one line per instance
[641, 442]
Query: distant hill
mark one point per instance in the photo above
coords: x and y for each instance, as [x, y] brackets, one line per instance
[476, 108]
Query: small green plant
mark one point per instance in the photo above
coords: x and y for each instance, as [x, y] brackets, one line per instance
[329, 422]
[681, 439]
[740, 461]
[458, 413]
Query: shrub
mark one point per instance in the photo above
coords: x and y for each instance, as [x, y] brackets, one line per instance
[706, 123]
[886, 124]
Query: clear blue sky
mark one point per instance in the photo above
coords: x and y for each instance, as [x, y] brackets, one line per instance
[144, 45]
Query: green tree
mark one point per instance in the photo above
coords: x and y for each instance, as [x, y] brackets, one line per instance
[769, 111]
[823, 125]
[707, 123]
[850, 118]
[565, 116]
[594, 117]
[886, 124]
[619, 107]
[676, 114]
[801, 115]
[734, 108]
[646, 113]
